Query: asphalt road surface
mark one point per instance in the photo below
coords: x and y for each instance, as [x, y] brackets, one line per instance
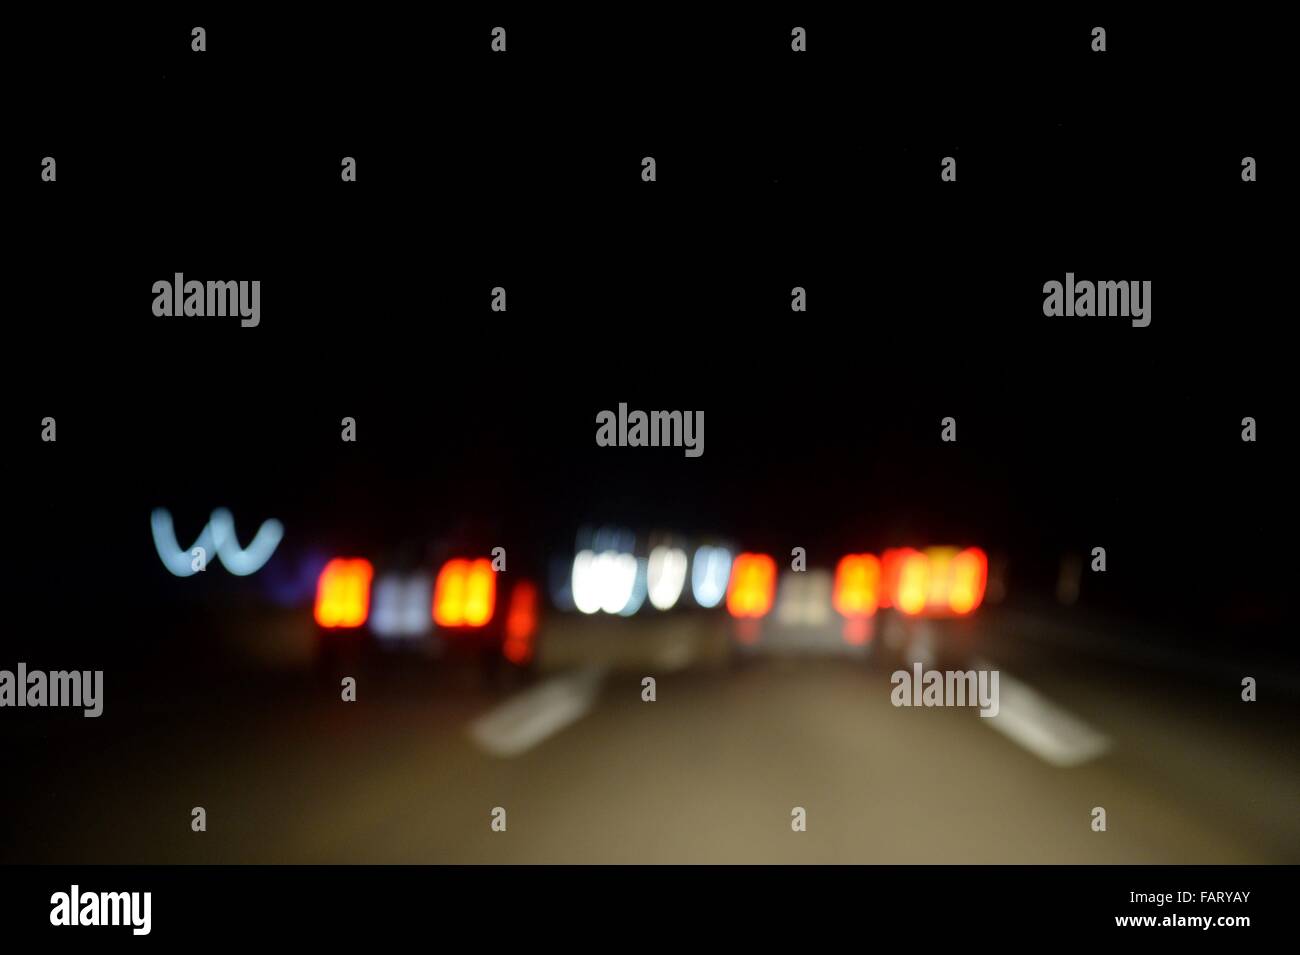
[711, 771]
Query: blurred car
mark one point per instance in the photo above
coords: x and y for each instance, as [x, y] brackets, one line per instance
[453, 602]
[907, 603]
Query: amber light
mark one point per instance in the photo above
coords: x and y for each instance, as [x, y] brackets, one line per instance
[857, 585]
[521, 623]
[465, 593]
[969, 573]
[912, 584]
[752, 585]
[938, 573]
[343, 593]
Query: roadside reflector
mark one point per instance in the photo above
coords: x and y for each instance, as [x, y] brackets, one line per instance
[857, 585]
[343, 593]
[752, 586]
[465, 593]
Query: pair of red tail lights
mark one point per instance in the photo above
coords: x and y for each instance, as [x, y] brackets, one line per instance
[937, 581]
[464, 596]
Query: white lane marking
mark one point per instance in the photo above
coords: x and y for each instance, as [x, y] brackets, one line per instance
[525, 720]
[1040, 726]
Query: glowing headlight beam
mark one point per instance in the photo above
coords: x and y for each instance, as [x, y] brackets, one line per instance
[666, 576]
[639, 589]
[603, 581]
[709, 575]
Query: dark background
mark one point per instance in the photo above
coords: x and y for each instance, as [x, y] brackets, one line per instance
[523, 170]
[775, 170]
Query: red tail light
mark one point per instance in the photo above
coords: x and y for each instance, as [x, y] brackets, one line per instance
[752, 585]
[521, 623]
[942, 580]
[857, 585]
[465, 593]
[343, 593]
[891, 562]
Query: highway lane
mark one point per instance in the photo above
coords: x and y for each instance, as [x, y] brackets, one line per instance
[709, 772]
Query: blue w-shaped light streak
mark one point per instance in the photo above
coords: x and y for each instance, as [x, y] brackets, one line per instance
[217, 537]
